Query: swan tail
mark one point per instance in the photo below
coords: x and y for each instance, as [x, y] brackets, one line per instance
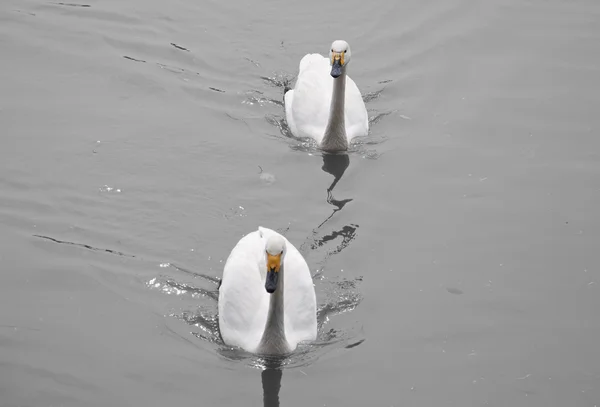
[285, 90]
[315, 60]
[265, 233]
[286, 87]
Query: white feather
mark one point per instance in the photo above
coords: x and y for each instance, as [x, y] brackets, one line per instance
[308, 105]
[244, 302]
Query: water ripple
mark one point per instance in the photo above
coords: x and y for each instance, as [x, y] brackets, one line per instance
[283, 82]
[340, 296]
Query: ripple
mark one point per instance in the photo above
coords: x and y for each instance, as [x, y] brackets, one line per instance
[106, 188]
[133, 59]
[367, 97]
[374, 119]
[172, 287]
[73, 4]
[340, 296]
[283, 82]
[357, 146]
[266, 177]
[180, 47]
[238, 212]
[255, 97]
[83, 245]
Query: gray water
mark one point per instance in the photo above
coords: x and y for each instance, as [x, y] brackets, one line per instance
[455, 249]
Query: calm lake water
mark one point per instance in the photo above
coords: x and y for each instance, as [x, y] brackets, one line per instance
[455, 249]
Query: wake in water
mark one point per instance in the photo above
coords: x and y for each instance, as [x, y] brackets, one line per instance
[339, 296]
[336, 295]
[85, 246]
[283, 82]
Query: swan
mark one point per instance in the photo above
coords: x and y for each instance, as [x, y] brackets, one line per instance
[267, 302]
[325, 103]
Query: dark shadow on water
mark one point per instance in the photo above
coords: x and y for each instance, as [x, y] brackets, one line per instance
[335, 164]
[271, 381]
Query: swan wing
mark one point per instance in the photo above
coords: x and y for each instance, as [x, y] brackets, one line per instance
[311, 100]
[307, 106]
[243, 300]
[289, 117]
[356, 116]
[300, 300]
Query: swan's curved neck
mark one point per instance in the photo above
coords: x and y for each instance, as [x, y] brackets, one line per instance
[335, 133]
[273, 341]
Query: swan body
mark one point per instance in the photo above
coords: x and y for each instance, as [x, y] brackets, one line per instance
[267, 301]
[325, 103]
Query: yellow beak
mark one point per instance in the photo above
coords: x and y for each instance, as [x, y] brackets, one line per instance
[337, 57]
[273, 262]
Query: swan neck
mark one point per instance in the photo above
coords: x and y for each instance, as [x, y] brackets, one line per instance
[274, 340]
[335, 134]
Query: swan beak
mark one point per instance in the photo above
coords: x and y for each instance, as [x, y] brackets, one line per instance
[273, 266]
[337, 61]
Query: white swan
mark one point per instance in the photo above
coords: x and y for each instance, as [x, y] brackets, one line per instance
[325, 103]
[267, 301]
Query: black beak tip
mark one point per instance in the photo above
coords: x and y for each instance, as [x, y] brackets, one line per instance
[336, 69]
[271, 281]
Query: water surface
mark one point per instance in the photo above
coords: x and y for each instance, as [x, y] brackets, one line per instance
[454, 248]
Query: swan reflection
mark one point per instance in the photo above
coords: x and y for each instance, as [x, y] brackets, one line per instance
[336, 165]
[271, 381]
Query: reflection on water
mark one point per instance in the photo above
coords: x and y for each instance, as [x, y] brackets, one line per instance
[283, 82]
[271, 383]
[340, 295]
[184, 118]
[336, 165]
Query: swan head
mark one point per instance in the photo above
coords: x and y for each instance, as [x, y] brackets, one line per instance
[275, 251]
[339, 56]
